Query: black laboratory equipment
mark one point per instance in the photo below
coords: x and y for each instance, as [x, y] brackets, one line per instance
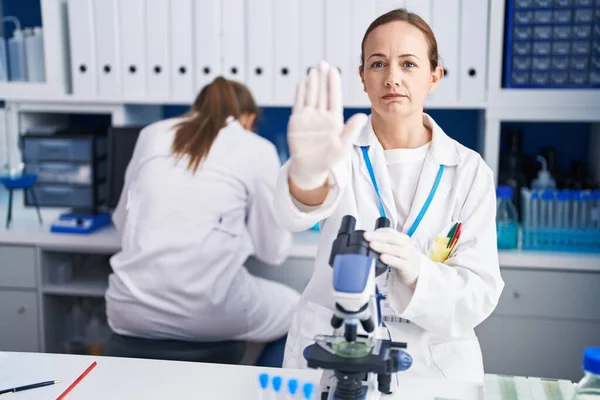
[579, 178]
[516, 168]
[121, 143]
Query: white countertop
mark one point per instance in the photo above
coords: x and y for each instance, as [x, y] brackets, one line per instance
[305, 246]
[107, 240]
[124, 378]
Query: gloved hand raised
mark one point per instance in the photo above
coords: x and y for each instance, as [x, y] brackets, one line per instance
[317, 136]
[397, 251]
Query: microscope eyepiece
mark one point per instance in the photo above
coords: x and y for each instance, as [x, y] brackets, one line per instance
[382, 222]
[347, 226]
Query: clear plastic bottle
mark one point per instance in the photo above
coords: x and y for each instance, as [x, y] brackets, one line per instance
[544, 180]
[93, 336]
[589, 387]
[507, 226]
[76, 322]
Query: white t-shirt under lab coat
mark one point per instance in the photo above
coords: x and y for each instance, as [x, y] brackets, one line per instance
[404, 168]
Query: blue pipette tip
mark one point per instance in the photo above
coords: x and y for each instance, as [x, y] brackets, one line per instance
[277, 381]
[293, 386]
[308, 390]
[264, 380]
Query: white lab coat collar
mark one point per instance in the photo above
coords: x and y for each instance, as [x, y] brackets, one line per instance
[442, 147]
[442, 152]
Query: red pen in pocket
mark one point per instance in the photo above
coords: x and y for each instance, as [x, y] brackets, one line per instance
[455, 237]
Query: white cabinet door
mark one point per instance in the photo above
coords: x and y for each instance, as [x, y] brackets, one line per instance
[19, 330]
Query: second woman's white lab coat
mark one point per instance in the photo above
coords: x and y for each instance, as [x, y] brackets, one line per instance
[450, 298]
[185, 238]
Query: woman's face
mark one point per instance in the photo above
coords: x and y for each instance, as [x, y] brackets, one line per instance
[397, 73]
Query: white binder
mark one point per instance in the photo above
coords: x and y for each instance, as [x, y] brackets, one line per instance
[312, 45]
[181, 46]
[363, 13]
[108, 66]
[338, 49]
[83, 57]
[287, 50]
[420, 7]
[473, 50]
[260, 51]
[234, 40]
[208, 43]
[132, 31]
[384, 6]
[157, 49]
[445, 19]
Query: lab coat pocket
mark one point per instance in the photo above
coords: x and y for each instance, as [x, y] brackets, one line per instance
[438, 249]
[230, 223]
[459, 359]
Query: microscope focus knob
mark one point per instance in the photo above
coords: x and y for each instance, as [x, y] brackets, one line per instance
[401, 360]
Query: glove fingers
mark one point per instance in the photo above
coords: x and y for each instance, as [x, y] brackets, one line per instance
[312, 90]
[386, 235]
[385, 248]
[300, 97]
[334, 87]
[392, 261]
[353, 127]
[323, 94]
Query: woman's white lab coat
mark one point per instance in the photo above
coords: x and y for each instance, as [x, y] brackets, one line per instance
[185, 239]
[450, 298]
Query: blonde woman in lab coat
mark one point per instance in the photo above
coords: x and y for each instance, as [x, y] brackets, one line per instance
[197, 201]
[427, 183]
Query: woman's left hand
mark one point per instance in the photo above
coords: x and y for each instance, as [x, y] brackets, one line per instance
[397, 251]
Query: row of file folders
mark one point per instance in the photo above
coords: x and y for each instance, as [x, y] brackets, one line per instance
[169, 49]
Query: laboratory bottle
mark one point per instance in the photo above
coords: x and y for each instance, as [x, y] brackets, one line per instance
[595, 209]
[544, 180]
[93, 336]
[589, 386]
[16, 56]
[34, 54]
[515, 167]
[76, 322]
[3, 60]
[507, 226]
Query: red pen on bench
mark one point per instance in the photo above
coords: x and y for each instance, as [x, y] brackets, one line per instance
[76, 382]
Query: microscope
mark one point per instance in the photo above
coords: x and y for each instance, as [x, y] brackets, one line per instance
[362, 363]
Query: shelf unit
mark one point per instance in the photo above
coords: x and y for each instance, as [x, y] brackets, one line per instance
[501, 105]
[56, 53]
[83, 288]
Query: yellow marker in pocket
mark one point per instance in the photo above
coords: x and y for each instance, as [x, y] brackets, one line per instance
[440, 251]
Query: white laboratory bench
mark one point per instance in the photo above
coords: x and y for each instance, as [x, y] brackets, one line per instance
[126, 378]
[548, 310]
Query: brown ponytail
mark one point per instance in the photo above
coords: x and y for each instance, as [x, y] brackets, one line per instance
[195, 135]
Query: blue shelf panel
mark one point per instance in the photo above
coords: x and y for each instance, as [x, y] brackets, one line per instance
[552, 44]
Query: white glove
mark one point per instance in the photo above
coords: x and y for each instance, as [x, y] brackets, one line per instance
[397, 251]
[317, 136]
